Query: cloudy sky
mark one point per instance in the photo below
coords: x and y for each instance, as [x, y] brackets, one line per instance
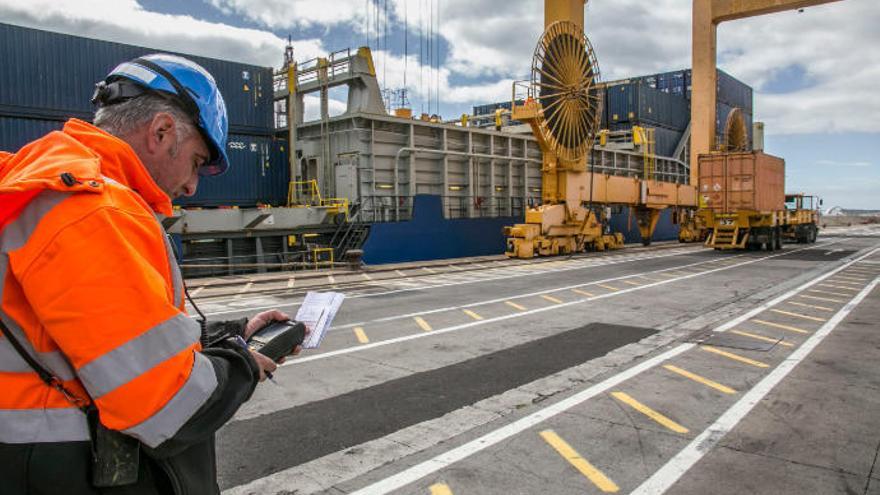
[816, 73]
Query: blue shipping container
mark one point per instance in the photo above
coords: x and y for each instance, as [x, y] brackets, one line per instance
[16, 132]
[731, 91]
[258, 175]
[638, 104]
[49, 75]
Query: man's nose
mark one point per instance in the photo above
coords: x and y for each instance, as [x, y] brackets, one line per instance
[191, 185]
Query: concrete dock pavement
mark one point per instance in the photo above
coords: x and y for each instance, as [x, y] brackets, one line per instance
[658, 376]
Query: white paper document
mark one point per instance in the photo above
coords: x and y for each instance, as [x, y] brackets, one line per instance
[317, 312]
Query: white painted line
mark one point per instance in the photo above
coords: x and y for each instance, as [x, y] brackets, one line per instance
[366, 276]
[290, 282]
[468, 280]
[776, 300]
[196, 291]
[405, 338]
[676, 467]
[330, 279]
[452, 456]
[246, 287]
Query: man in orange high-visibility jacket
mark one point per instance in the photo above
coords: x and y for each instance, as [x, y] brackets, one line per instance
[91, 290]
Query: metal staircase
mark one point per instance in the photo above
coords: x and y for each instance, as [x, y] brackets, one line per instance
[728, 237]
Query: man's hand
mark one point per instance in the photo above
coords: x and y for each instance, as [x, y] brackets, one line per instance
[260, 320]
[265, 364]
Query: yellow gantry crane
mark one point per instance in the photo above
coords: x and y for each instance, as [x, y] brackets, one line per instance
[740, 227]
[562, 105]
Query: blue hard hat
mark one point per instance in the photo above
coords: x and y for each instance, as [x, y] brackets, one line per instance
[190, 85]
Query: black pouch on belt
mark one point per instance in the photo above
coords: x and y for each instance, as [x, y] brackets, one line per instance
[115, 455]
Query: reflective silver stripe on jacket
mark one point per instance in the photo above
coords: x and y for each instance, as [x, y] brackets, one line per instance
[34, 425]
[176, 277]
[166, 421]
[13, 237]
[139, 355]
[12, 362]
[43, 425]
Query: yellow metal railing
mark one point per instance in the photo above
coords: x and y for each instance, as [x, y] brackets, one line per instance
[645, 137]
[316, 256]
[305, 194]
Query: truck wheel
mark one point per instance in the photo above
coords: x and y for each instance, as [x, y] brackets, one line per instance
[778, 234]
[646, 242]
[814, 234]
[771, 240]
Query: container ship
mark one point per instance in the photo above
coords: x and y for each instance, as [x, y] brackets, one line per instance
[386, 185]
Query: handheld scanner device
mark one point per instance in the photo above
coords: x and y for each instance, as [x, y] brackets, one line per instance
[278, 339]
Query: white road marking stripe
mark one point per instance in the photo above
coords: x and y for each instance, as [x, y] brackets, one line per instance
[676, 467]
[452, 456]
[773, 302]
[470, 281]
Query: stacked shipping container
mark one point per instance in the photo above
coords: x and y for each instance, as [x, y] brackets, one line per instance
[49, 77]
[661, 101]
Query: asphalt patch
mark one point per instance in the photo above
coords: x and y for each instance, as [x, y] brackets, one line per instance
[830, 254]
[254, 448]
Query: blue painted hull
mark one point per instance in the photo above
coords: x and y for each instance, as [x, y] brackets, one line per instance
[429, 236]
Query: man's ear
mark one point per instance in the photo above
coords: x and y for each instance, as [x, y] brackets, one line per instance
[159, 135]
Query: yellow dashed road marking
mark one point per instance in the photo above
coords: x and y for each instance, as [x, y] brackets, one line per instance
[855, 279]
[847, 282]
[796, 315]
[582, 292]
[196, 291]
[422, 323]
[366, 276]
[820, 308]
[648, 279]
[569, 454]
[828, 293]
[401, 273]
[440, 489]
[429, 270]
[735, 357]
[515, 305]
[647, 411]
[779, 325]
[246, 287]
[630, 282]
[699, 379]
[613, 289]
[841, 287]
[761, 337]
[552, 299]
[330, 279]
[472, 314]
[361, 335]
[821, 298]
[290, 282]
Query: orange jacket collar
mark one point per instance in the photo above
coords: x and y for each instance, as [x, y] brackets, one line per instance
[86, 154]
[120, 163]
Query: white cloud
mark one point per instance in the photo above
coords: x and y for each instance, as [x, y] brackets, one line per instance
[490, 43]
[126, 21]
[276, 14]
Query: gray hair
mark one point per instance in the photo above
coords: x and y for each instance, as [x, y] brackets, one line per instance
[123, 118]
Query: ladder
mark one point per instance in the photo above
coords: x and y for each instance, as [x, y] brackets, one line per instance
[728, 237]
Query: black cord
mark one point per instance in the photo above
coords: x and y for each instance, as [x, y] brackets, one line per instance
[203, 321]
